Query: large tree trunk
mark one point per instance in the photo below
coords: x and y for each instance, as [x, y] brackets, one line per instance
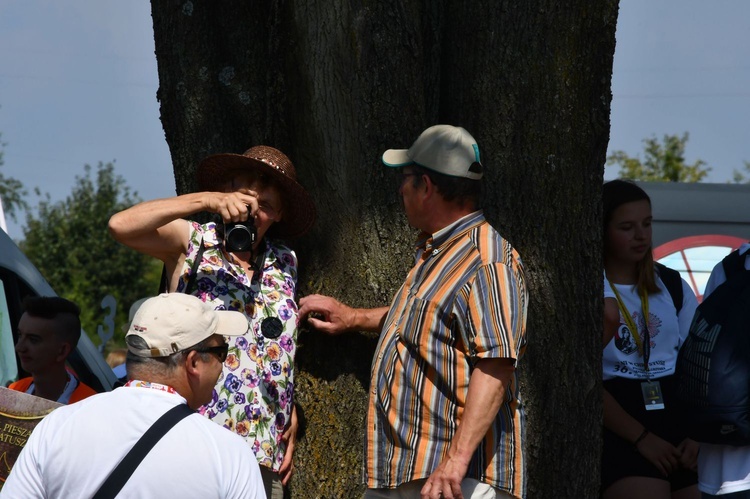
[333, 84]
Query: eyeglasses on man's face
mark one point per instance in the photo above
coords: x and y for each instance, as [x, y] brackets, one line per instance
[220, 351]
[405, 174]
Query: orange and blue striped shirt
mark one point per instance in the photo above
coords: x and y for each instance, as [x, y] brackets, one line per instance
[465, 299]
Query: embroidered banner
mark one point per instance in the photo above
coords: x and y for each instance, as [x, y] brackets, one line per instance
[19, 414]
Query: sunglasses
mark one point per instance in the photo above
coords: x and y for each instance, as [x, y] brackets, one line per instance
[221, 351]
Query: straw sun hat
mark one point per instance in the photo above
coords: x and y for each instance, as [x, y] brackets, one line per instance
[298, 213]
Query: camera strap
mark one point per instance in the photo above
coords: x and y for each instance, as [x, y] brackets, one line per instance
[260, 259]
[164, 284]
[194, 269]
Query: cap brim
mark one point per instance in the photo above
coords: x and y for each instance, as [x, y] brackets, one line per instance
[396, 158]
[231, 323]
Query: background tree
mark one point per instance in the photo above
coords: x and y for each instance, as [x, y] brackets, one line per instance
[742, 177]
[12, 192]
[69, 243]
[333, 84]
[663, 162]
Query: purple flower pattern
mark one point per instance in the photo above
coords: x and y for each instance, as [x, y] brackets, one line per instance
[254, 394]
[286, 342]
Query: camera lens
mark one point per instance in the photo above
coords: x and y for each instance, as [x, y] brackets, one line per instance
[240, 236]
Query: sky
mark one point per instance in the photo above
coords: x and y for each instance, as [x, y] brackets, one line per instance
[683, 66]
[78, 84]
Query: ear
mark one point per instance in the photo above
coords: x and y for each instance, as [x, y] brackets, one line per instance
[428, 189]
[192, 379]
[193, 362]
[65, 350]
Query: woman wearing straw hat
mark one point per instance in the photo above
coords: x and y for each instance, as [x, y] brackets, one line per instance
[238, 263]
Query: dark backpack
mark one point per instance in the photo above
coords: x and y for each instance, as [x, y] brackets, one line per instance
[673, 282]
[713, 365]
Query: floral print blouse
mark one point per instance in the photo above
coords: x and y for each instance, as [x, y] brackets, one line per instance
[254, 394]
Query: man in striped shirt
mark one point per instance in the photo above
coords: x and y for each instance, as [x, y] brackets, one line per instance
[444, 416]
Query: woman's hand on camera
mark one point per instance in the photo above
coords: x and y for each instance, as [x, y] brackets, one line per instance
[235, 206]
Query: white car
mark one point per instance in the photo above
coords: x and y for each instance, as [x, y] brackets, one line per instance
[19, 278]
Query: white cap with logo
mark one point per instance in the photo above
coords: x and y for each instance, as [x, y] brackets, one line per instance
[172, 322]
[446, 149]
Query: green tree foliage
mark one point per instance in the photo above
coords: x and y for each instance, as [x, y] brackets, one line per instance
[742, 177]
[69, 243]
[12, 191]
[663, 162]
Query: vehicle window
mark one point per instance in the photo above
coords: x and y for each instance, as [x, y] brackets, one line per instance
[8, 367]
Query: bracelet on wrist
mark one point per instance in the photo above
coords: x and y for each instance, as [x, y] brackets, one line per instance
[640, 437]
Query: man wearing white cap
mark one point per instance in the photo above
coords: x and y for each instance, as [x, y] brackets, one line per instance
[444, 417]
[176, 349]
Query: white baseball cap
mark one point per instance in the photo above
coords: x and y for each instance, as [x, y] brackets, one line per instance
[172, 322]
[446, 149]
[131, 313]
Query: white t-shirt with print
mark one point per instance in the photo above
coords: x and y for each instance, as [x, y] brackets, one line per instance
[667, 331]
[723, 469]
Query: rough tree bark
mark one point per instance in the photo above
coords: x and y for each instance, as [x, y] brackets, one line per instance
[335, 83]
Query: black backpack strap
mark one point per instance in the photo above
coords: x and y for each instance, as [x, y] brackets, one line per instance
[733, 264]
[673, 282]
[121, 474]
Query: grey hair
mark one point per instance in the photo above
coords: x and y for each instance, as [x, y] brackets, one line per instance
[150, 367]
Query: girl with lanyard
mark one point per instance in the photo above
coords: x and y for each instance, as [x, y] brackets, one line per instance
[646, 452]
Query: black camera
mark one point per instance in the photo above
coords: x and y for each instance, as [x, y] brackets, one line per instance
[240, 236]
